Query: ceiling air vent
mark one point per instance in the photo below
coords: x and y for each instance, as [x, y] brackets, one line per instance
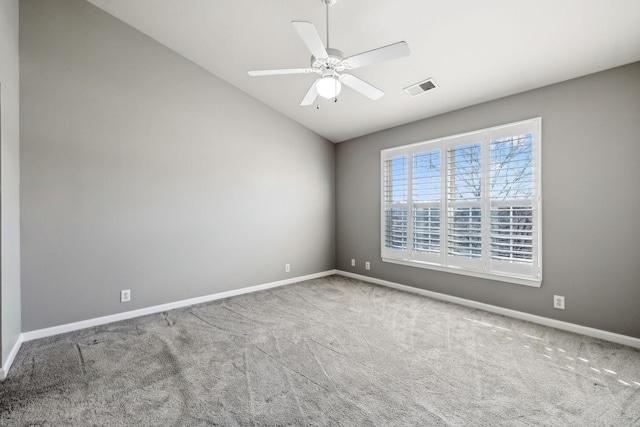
[421, 87]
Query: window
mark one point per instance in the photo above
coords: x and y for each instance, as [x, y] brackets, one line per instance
[466, 203]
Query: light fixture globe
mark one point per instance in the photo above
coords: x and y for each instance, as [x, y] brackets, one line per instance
[328, 87]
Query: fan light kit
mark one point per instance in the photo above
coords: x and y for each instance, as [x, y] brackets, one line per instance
[328, 87]
[331, 64]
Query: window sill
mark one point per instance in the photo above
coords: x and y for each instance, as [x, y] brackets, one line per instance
[518, 280]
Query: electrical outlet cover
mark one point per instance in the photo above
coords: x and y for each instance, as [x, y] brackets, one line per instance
[125, 295]
[558, 302]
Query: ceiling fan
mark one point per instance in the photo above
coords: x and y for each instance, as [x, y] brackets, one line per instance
[331, 64]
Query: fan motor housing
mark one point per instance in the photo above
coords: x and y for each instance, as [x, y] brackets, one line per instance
[333, 62]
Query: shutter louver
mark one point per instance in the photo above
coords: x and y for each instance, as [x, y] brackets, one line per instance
[426, 202]
[464, 201]
[396, 233]
[512, 224]
[395, 199]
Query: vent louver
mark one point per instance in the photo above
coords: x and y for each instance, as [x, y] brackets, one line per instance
[421, 87]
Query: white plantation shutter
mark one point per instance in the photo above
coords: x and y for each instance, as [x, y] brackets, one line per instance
[426, 196]
[514, 228]
[464, 202]
[395, 196]
[468, 204]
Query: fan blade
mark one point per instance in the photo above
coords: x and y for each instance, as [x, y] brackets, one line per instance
[361, 86]
[278, 72]
[311, 95]
[311, 38]
[387, 53]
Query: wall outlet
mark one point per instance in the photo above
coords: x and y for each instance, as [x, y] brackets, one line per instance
[558, 302]
[367, 265]
[125, 295]
[287, 268]
[353, 262]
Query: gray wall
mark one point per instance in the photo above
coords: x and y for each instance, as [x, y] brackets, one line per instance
[10, 177]
[591, 201]
[142, 171]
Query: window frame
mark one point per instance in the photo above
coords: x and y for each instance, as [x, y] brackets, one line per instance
[529, 274]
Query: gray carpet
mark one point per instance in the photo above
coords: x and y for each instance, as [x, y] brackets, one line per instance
[331, 351]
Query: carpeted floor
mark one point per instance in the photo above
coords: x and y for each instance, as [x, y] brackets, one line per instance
[331, 351]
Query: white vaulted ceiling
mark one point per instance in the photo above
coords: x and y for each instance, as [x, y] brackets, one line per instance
[475, 51]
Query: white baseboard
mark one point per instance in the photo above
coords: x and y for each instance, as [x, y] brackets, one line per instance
[69, 327]
[558, 324]
[12, 355]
